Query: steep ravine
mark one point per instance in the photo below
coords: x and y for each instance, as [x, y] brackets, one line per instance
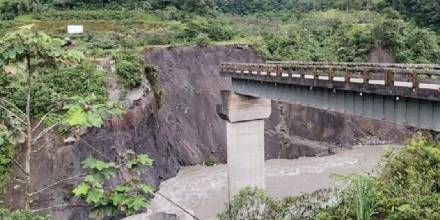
[186, 129]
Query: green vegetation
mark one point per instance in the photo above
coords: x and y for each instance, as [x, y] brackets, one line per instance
[407, 186]
[44, 87]
[127, 198]
[28, 52]
[53, 88]
[84, 112]
[252, 203]
[20, 215]
[315, 30]
[152, 75]
[7, 152]
[9, 9]
[350, 36]
[211, 161]
[423, 12]
[129, 67]
[44, 81]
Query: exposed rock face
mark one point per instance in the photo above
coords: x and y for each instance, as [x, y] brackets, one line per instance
[186, 129]
[381, 54]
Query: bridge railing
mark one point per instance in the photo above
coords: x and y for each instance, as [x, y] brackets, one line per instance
[408, 75]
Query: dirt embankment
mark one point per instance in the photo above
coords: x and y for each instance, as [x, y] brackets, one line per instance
[186, 129]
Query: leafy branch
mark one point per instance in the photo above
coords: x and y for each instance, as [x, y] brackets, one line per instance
[127, 197]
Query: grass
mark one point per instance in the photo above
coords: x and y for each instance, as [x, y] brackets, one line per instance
[250, 40]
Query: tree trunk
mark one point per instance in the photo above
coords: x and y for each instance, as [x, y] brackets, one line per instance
[29, 135]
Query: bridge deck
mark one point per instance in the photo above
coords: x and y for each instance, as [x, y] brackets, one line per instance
[406, 94]
[407, 80]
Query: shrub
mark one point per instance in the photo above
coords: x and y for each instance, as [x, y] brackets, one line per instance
[7, 151]
[211, 161]
[109, 40]
[129, 67]
[56, 85]
[127, 197]
[304, 207]
[359, 41]
[250, 203]
[53, 87]
[410, 182]
[153, 78]
[213, 29]
[202, 40]
[20, 215]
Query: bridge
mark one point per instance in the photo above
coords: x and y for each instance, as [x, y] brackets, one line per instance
[400, 93]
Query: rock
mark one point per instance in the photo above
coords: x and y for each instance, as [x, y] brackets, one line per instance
[135, 94]
[106, 64]
[69, 141]
[164, 216]
[371, 140]
[160, 215]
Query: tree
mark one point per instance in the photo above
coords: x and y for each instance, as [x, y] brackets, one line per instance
[424, 12]
[9, 9]
[36, 51]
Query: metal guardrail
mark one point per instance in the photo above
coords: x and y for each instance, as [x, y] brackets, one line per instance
[365, 71]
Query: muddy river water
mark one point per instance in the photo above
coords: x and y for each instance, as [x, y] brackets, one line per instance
[203, 190]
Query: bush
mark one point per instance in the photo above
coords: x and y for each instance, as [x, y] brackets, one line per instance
[211, 161]
[202, 40]
[127, 197]
[7, 151]
[54, 86]
[304, 207]
[256, 204]
[213, 29]
[20, 215]
[129, 67]
[250, 203]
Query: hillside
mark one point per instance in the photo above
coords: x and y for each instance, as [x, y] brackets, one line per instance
[92, 123]
[336, 30]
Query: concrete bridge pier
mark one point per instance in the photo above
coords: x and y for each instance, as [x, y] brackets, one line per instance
[244, 117]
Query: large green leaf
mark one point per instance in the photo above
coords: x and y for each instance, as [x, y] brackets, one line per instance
[145, 160]
[147, 188]
[92, 163]
[96, 196]
[118, 198]
[135, 203]
[94, 119]
[76, 117]
[81, 190]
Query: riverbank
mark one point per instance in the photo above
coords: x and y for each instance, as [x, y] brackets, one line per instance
[203, 190]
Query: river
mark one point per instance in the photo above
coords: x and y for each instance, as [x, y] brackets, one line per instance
[203, 190]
